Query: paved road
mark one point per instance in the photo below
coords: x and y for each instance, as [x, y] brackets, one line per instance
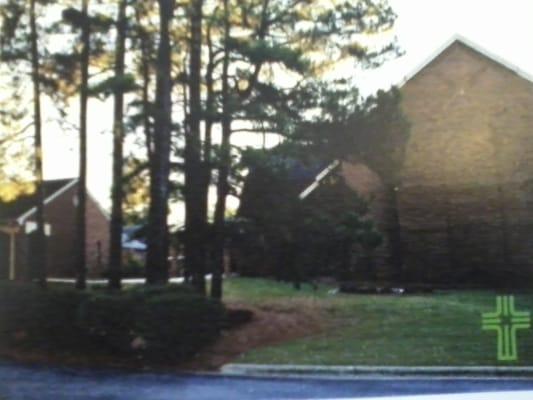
[32, 383]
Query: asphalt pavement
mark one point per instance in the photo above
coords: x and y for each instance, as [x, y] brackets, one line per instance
[50, 383]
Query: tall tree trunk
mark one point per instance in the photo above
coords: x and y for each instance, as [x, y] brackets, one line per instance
[223, 170]
[146, 106]
[146, 48]
[158, 239]
[208, 139]
[117, 192]
[195, 222]
[209, 105]
[209, 121]
[40, 242]
[225, 153]
[81, 261]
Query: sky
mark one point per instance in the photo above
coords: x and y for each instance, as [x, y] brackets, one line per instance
[505, 28]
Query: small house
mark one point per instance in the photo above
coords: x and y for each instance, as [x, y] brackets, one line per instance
[18, 225]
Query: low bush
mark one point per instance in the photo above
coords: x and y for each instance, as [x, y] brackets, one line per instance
[167, 324]
[164, 324]
[30, 316]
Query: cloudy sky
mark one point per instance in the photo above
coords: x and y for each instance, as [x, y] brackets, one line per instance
[502, 27]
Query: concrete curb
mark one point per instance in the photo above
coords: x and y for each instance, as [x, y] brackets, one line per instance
[125, 281]
[357, 371]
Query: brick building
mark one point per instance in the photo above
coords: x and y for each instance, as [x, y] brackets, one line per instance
[467, 187]
[465, 202]
[17, 224]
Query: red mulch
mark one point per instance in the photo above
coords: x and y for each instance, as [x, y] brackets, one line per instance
[269, 326]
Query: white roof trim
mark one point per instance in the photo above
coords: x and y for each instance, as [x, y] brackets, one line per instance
[53, 196]
[49, 199]
[325, 172]
[474, 46]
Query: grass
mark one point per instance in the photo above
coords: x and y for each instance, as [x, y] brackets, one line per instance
[262, 291]
[434, 329]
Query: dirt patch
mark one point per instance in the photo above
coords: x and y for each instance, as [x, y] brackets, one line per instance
[271, 324]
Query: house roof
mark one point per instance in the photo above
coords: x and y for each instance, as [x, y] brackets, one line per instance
[457, 38]
[472, 45]
[324, 173]
[24, 206]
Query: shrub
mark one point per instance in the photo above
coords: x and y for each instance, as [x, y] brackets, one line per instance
[30, 316]
[175, 326]
[166, 323]
[108, 320]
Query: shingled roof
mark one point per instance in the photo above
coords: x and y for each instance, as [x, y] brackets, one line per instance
[24, 204]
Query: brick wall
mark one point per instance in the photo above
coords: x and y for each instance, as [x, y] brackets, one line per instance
[61, 215]
[465, 201]
[97, 237]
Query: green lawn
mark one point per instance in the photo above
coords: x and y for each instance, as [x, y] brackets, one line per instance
[435, 329]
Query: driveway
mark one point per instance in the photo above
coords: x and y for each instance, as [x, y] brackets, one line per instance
[42, 383]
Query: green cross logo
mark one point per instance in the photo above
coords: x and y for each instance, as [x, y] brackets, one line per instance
[506, 321]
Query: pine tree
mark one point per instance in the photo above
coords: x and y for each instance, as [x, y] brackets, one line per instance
[20, 45]
[81, 209]
[195, 219]
[274, 35]
[117, 192]
[224, 168]
[40, 239]
[158, 240]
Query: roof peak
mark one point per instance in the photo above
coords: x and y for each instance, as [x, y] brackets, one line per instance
[459, 38]
[24, 206]
[61, 186]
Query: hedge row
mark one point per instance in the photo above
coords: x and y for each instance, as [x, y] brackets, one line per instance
[157, 323]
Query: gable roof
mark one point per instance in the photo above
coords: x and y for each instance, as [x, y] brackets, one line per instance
[24, 206]
[472, 45]
[443, 47]
[323, 174]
